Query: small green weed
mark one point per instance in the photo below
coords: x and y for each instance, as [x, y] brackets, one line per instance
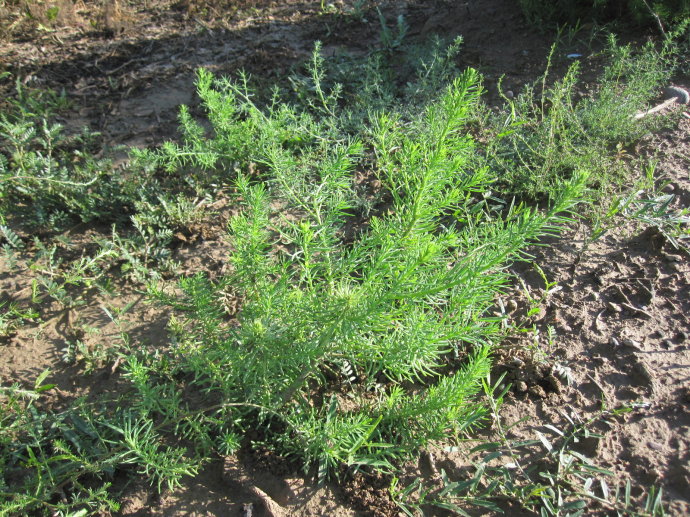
[392, 39]
[654, 208]
[48, 177]
[55, 463]
[68, 284]
[647, 203]
[543, 139]
[13, 317]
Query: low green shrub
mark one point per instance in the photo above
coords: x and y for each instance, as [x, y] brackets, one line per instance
[355, 346]
[51, 178]
[548, 133]
[46, 177]
[60, 462]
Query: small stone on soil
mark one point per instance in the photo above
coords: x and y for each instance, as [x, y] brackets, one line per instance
[537, 391]
[655, 446]
[614, 307]
[517, 362]
[632, 344]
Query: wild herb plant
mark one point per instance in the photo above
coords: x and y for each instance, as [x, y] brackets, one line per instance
[656, 210]
[42, 178]
[547, 134]
[240, 134]
[349, 331]
[33, 103]
[338, 97]
[60, 463]
[392, 39]
[650, 205]
[67, 282]
[354, 349]
[647, 203]
[144, 251]
[12, 316]
[50, 179]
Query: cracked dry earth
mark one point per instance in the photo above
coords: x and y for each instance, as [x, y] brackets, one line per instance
[618, 318]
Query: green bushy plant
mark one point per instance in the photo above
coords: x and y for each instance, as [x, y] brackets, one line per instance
[548, 133]
[240, 134]
[349, 331]
[47, 176]
[12, 317]
[337, 98]
[39, 178]
[354, 349]
[60, 463]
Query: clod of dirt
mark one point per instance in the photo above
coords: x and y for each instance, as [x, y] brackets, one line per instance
[641, 375]
[235, 473]
[632, 345]
[537, 391]
[589, 446]
[364, 492]
[686, 395]
[427, 464]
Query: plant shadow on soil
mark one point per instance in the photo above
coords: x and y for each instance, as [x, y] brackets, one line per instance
[129, 86]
